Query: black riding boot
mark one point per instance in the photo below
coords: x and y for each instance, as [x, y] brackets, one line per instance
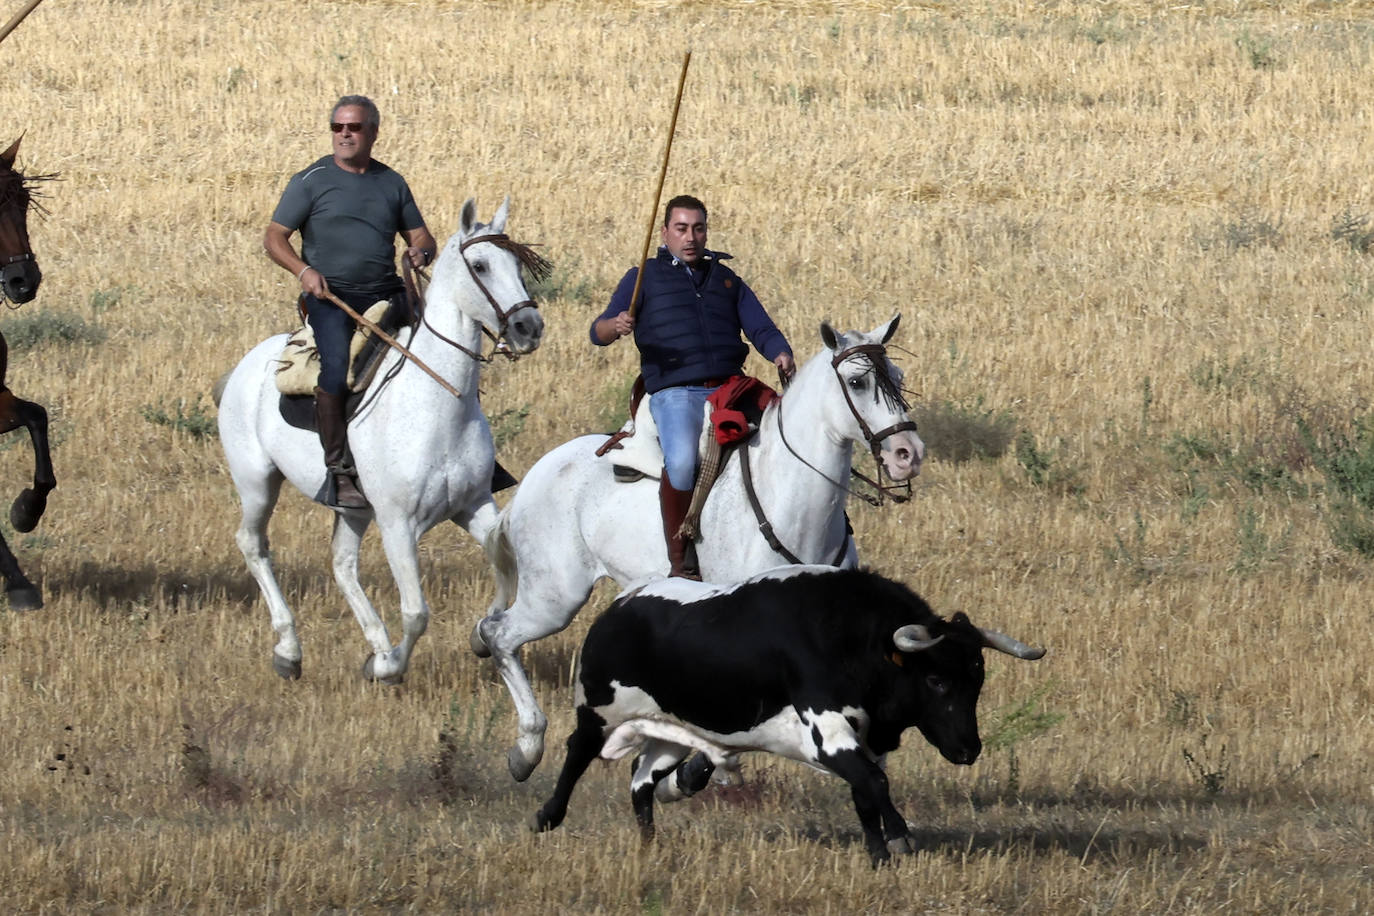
[674, 503]
[329, 416]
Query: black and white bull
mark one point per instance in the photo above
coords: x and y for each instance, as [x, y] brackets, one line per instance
[820, 665]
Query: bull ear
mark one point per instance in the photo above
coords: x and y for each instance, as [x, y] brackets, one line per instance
[498, 222]
[829, 337]
[914, 638]
[1003, 643]
[9, 155]
[468, 218]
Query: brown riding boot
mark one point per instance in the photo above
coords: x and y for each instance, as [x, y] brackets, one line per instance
[674, 503]
[329, 416]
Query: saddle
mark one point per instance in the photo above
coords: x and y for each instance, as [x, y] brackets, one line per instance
[732, 415]
[298, 368]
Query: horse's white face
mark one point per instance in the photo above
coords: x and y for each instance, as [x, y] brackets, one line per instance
[500, 302]
[872, 388]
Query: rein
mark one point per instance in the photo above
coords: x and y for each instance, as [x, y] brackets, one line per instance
[898, 493]
[877, 355]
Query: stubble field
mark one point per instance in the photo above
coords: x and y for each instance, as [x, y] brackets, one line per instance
[1129, 243]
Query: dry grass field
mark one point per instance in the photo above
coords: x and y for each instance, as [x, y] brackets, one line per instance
[1131, 247]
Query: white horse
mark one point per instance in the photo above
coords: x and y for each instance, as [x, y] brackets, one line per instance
[422, 455]
[571, 522]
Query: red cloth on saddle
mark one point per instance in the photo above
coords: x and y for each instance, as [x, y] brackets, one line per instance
[737, 402]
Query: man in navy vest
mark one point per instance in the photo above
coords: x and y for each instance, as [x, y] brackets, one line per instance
[687, 327]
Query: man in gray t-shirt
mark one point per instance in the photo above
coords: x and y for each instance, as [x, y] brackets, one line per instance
[348, 208]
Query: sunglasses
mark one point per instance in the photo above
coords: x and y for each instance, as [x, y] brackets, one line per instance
[354, 127]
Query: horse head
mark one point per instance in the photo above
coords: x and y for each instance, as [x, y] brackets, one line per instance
[874, 410]
[490, 262]
[19, 273]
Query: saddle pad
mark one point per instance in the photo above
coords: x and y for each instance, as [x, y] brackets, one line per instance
[638, 450]
[298, 368]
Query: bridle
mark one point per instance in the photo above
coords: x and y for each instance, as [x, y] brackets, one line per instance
[886, 388]
[536, 264]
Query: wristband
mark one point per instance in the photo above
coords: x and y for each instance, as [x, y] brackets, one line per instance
[302, 273]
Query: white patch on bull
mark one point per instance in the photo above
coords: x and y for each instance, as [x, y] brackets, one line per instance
[635, 719]
[686, 591]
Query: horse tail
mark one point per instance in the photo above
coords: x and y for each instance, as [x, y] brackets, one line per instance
[217, 392]
[501, 555]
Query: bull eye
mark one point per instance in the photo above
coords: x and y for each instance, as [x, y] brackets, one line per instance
[938, 685]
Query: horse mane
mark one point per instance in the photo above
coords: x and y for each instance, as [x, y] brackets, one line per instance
[538, 266]
[14, 182]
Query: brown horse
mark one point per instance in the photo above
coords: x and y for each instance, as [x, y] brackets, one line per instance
[19, 279]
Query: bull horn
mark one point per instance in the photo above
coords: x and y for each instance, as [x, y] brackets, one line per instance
[1003, 643]
[913, 638]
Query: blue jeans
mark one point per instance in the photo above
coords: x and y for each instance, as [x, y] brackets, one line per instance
[334, 335]
[678, 414]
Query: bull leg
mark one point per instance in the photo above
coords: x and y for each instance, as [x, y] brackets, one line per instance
[659, 759]
[29, 505]
[22, 594]
[584, 744]
[687, 779]
[885, 830]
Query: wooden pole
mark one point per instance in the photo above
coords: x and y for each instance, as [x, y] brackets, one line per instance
[391, 341]
[658, 192]
[14, 23]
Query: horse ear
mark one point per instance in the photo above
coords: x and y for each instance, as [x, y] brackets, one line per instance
[498, 222]
[9, 155]
[828, 336]
[891, 328]
[468, 217]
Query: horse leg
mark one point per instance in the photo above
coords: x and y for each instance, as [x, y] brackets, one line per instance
[398, 541]
[545, 603]
[348, 537]
[29, 505]
[23, 595]
[258, 502]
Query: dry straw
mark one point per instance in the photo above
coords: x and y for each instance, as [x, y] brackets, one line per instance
[1111, 223]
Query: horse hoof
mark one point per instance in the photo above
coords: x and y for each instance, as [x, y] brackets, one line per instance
[370, 674]
[25, 598]
[27, 509]
[286, 668]
[519, 765]
[478, 644]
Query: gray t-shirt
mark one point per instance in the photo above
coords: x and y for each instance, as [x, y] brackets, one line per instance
[349, 222]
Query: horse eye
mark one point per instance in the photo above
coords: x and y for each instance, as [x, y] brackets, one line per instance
[858, 383]
[479, 266]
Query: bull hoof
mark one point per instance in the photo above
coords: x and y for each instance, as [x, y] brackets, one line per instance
[521, 766]
[24, 598]
[286, 668]
[27, 509]
[478, 644]
[370, 674]
[539, 822]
